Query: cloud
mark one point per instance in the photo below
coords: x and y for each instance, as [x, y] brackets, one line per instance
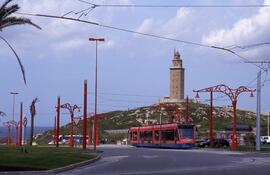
[108, 44]
[146, 26]
[173, 27]
[70, 45]
[245, 31]
[59, 37]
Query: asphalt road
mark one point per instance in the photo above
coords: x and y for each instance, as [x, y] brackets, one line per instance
[129, 160]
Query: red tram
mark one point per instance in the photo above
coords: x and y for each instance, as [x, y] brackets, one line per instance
[173, 135]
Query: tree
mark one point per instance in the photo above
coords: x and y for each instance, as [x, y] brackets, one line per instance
[2, 114]
[6, 20]
[33, 113]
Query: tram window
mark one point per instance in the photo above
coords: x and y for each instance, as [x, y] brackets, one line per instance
[186, 133]
[148, 135]
[168, 135]
[176, 134]
[142, 135]
[135, 134]
[156, 135]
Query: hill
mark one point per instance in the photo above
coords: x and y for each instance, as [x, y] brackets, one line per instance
[199, 115]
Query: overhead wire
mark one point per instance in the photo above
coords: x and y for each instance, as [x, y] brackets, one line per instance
[176, 5]
[140, 33]
[228, 49]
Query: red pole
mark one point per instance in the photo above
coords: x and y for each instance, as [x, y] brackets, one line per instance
[97, 122]
[84, 114]
[54, 137]
[187, 112]
[21, 123]
[58, 122]
[8, 135]
[234, 139]
[211, 119]
[71, 131]
[17, 135]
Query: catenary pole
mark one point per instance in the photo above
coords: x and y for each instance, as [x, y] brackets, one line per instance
[258, 113]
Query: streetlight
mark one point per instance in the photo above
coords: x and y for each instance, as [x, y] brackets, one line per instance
[232, 94]
[95, 112]
[12, 128]
[71, 109]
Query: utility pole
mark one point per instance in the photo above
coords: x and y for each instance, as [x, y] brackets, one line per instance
[85, 114]
[58, 122]
[21, 118]
[258, 113]
[96, 40]
[268, 124]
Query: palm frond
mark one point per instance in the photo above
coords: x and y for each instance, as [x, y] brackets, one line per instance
[18, 59]
[10, 21]
[2, 113]
[5, 4]
[33, 107]
[8, 11]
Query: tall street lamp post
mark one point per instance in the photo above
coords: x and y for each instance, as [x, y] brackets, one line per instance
[95, 112]
[13, 113]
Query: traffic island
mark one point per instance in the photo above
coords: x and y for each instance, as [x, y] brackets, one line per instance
[44, 158]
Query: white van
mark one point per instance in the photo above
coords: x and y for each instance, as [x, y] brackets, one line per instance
[265, 139]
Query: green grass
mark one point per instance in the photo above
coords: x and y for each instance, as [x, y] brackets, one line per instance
[264, 148]
[40, 158]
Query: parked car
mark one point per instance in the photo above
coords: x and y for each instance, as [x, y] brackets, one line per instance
[265, 139]
[221, 143]
[203, 143]
[216, 143]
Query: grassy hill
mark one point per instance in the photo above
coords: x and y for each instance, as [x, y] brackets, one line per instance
[199, 115]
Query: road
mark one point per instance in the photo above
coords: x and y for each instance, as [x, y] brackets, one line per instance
[127, 160]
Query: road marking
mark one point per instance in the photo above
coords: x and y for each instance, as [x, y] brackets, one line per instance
[113, 158]
[149, 156]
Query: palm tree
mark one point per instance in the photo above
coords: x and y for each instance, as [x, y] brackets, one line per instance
[33, 113]
[2, 114]
[6, 20]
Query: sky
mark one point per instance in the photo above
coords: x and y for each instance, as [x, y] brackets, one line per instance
[133, 70]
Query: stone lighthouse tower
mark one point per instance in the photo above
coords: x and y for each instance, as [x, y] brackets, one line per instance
[177, 79]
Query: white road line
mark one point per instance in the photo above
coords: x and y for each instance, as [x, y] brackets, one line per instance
[149, 156]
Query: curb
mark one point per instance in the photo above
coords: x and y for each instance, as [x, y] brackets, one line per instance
[72, 166]
[56, 170]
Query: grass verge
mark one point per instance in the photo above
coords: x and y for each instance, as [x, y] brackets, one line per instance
[40, 158]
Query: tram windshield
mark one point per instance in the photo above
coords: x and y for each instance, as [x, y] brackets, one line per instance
[186, 132]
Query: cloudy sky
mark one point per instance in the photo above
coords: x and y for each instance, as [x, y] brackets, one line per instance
[133, 69]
